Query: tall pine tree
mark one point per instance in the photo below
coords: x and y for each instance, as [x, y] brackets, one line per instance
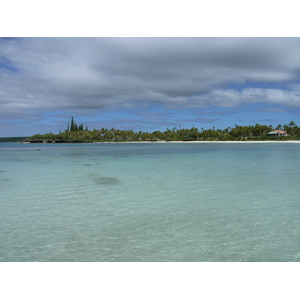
[72, 125]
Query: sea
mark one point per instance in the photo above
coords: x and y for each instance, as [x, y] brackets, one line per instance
[150, 202]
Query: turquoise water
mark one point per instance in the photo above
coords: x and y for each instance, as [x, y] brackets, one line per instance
[150, 202]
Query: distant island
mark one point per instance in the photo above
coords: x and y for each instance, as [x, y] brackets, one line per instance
[11, 139]
[78, 134]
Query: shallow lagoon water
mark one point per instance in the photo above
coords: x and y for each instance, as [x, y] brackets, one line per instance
[150, 202]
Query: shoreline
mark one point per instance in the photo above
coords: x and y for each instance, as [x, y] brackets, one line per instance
[175, 142]
[166, 142]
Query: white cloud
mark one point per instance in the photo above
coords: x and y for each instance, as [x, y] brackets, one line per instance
[233, 98]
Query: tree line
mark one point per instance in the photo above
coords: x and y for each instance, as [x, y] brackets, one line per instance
[75, 127]
[251, 132]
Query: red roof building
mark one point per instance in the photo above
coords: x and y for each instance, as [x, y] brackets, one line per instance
[278, 133]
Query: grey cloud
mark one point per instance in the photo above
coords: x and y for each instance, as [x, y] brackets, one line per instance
[100, 73]
[233, 98]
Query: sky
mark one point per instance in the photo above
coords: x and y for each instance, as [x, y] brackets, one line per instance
[147, 83]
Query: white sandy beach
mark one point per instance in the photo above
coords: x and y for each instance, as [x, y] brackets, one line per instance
[228, 142]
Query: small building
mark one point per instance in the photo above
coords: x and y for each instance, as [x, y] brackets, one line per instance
[277, 133]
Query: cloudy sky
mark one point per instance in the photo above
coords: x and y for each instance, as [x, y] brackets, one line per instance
[147, 84]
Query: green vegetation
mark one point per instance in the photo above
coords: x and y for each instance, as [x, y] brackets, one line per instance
[76, 133]
[75, 127]
[12, 139]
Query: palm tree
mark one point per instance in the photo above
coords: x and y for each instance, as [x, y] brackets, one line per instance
[292, 126]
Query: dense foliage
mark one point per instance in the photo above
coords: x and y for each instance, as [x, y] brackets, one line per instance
[75, 127]
[76, 133]
[11, 139]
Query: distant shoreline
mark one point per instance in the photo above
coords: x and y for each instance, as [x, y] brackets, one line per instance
[204, 142]
[163, 142]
